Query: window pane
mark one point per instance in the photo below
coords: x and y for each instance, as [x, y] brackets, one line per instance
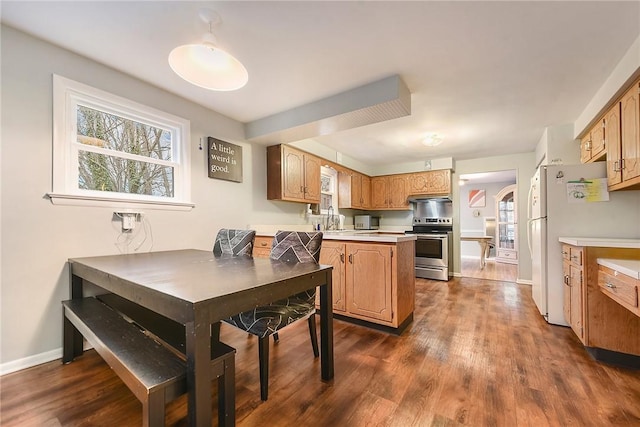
[117, 133]
[109, 173]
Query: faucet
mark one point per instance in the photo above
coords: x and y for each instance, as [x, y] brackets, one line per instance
[331, 222]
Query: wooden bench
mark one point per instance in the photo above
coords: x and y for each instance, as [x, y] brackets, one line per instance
[154, 373]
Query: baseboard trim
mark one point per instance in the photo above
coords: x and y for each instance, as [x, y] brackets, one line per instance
[31, 361]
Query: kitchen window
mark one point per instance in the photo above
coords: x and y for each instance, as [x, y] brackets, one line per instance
[110, 151]
[328, 190]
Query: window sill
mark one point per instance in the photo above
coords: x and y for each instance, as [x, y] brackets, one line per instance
[75, 200]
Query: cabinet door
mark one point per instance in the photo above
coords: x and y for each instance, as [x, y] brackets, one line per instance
[311, 178]
[334, 253]
[585, 148]
[566, 291]
[379, 192]
[612, 136]
[418, 183]
[398, 191]
[597, 141]
[368, 285]
[576, 301]
[630, 133]
[365, 192]
[439, 182]
[293, 171]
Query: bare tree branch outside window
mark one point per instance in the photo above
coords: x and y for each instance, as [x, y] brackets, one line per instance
[108, 170]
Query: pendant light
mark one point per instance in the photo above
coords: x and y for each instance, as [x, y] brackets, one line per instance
[206, 65]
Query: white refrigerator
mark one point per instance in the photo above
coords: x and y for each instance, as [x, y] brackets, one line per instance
[553, 213]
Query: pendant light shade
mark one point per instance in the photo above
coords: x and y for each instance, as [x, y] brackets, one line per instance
[207, 66]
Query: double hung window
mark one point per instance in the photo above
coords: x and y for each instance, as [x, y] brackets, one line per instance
[109, 150]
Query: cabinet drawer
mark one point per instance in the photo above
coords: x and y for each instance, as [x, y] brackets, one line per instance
[262, 246]
[619, 287]
[507, 254]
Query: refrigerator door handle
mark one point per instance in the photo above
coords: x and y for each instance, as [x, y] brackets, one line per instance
[530, 202]
[529, 224]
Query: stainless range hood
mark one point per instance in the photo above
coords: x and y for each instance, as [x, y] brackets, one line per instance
[375, 102]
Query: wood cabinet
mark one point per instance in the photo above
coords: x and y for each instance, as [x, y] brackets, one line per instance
[619, 287]
[292, 175]
[629, 160]
[372, 282]
[389, 192]
[334, 254]
[605, 323]
[507, 225]
[592, 145]
[430, 183]
[354, 190]
[573, 288]
[613, 143]
[262, 246]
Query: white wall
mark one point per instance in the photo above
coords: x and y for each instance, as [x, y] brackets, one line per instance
[38, 237]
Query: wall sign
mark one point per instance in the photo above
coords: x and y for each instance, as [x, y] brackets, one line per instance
[225, 160]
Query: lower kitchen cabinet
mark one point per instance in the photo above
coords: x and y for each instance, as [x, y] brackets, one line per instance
[599, 321]
[573, 288]
[372, 282]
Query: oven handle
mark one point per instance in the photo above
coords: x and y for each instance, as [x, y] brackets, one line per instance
[429, 268]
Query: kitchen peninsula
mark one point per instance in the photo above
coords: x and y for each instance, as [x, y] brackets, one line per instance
[373, 275]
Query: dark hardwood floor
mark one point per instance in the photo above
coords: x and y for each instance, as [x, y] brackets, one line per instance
[477, 354]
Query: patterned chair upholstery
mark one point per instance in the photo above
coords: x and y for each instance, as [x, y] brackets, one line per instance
[234, 242]
[263, 321]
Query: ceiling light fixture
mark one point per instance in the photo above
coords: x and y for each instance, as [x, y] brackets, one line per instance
[432, 140]
[205, 64]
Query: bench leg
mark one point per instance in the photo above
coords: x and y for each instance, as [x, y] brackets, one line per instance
[227, 394]
[153, 409]
[71, 341]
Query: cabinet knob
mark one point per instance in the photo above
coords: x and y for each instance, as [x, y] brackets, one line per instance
[610, 286]
[342, 258]
[263, 244]
[350, 258]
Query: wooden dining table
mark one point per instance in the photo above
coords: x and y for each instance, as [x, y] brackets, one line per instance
[198, 289]
[483, 241]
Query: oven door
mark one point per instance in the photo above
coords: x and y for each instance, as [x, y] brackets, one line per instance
[432, 250]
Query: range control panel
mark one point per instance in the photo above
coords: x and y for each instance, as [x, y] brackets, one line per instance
[432, 221]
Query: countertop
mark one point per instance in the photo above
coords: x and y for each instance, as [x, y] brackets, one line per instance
[379, 236]
[628, 267]
[602, 242]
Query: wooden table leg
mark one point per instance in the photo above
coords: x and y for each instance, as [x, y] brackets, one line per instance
[326, 328]
[483, 250]
[198, 352]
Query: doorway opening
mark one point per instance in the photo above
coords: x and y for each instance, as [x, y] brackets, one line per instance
[488, 226]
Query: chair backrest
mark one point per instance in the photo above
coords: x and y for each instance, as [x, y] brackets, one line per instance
[234, 242]
[296, 246]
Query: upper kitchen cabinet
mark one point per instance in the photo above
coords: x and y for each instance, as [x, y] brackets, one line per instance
[389, 192]
[612, 132]
[354, 190]
[437, 183]
[628, 164]
[592, 145]
[292, 175]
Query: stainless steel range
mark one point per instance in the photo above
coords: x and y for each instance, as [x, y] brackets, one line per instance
[433, 227]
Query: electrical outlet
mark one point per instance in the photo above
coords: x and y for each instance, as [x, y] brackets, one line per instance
[128, 221]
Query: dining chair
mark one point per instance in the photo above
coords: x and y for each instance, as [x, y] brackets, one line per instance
[267, 320]
[234, 242]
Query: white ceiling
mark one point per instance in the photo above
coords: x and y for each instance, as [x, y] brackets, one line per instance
[487, 76]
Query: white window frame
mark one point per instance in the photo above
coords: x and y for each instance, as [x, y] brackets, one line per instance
[67, 94]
